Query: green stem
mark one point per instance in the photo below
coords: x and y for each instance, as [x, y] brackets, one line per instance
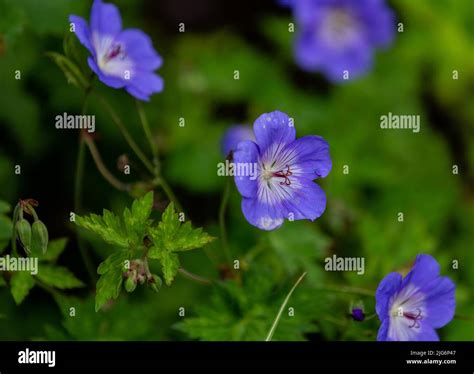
[16, 213]
[160, 181]
[280, 312]
[32, 211]
[149, 136]
[77, 199]
[118, 122]
[108, 176]
[222, 211]
[370, 317]
[194, 277]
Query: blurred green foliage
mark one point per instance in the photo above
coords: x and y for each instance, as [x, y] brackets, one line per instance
[389, 172]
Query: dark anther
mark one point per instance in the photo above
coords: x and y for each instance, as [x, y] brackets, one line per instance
[285, 175]
[415, 318]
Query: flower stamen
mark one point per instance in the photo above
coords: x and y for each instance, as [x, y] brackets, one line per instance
[115, 51]
[414, 317]
[285, 175]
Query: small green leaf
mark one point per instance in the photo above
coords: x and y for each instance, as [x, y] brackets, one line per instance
[136, 219]
[170, 264]
[70, 69]
[109, 284]
[71, 47]
[128, 233]
[20, 285]
[108, 227]
[173, 236]
[58, 277]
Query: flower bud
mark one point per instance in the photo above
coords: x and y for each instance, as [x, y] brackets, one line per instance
[130, 284]
[155, 283]
[358, 314]
[357, 311]
[141, 278]
[39, 240]
[23, 229]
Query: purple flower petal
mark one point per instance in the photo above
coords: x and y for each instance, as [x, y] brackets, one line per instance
[140, 49]
[441, 302]
[400, 330]
[382, 335]
[247, 153]
[105, 19]
[425, 269]
[82, 31]
[385, 291]
[306, 200]
[264, 216]
[233, 136]
[379, 21]
[273, 128]
[144, 84]
[311, 156]
[110, 81]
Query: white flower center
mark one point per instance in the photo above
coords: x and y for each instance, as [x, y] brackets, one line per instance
[112, 58]
[339, 27]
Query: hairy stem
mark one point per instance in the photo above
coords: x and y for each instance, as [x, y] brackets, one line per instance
[149, 136]
[161, 182]
[77, 199]
[222, 226]
[108, 176]
[159, 179]
[16, 213]
[280, 312]
[118, 122]
[194, 277]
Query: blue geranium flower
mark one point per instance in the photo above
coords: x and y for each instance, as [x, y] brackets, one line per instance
[340, 35]
[282, 186]
[413, 307]
[120, 58]
[233, 136]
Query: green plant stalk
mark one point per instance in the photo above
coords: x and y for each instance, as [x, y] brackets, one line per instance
[280, 312]
[128, 138]
[77, 199]
[222, 226]
[149, 136]
[32, 211]
[108, 176]
[16, 214]
[194, 277]
[161, 182]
